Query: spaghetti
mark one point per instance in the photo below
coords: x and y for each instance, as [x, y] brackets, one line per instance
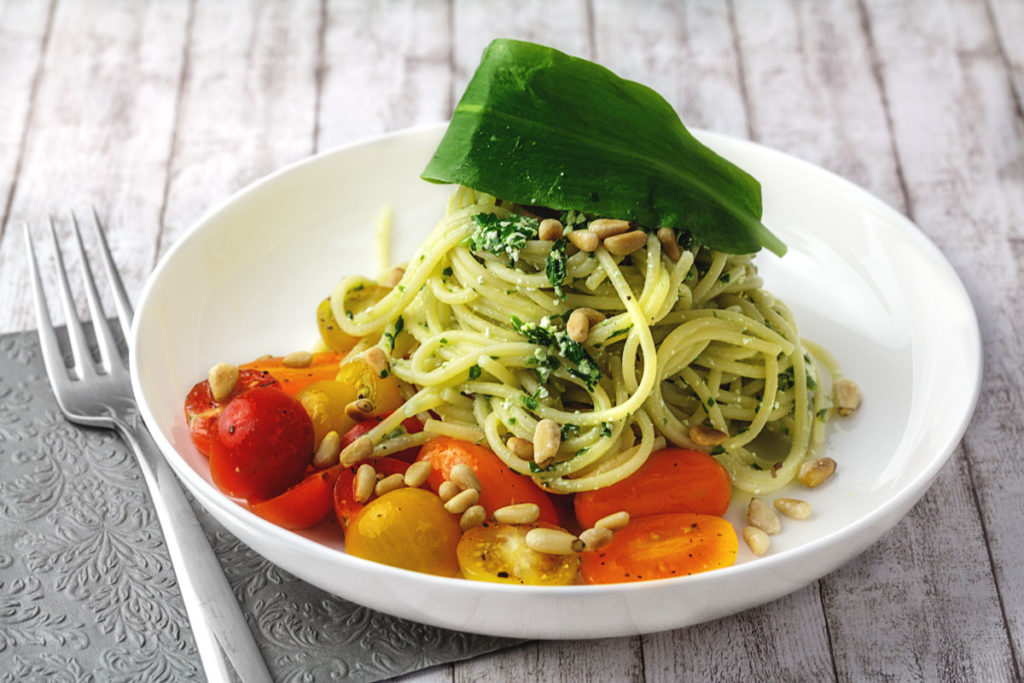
[478, 334]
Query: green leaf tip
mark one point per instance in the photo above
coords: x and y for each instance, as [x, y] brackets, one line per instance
[542, 128]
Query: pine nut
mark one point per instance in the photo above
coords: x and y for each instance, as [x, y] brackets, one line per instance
[297, 359]
[762, 516]
[390, 483]
[360, 409]
[626, 243]
[447, 490]
[813, 473]
[584, 240]
[553, 542]
[473, 516]
[703, 435]
[614, 521]
[757, 540]
[547, 437]
[521, 513]
[328, 451]
[418, 473]
[266, 356]
[593, 317]
[521, 447]
[462, 501]
[392, 277]
[608, 227]
[791, 507]
[596, 538]
[550, 230]
[223, 377]
[669, 244]
[578, 326]
[366, 479]
[464, 477]
[847, 396]
[360, 449]
[375, 358]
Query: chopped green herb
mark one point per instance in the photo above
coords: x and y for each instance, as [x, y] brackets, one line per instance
[390, 336]
[822, 414]
[583, 367]
[475, 372]
[384, 373]
[554, 267]
[724, 277]
[581, 451]
[529, 402]
[442, 341]
[502, 236]
[786, 379]
[606, 429]
[717, 450]
[811, 384]
[447, 271]
[569, 431]
[711, 401]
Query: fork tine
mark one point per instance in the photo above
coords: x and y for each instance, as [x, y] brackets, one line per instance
[84, 366]
[121, 300]
[109, 353]
[53, 359]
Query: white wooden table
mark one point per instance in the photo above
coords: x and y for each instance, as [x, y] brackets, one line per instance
[156, 110]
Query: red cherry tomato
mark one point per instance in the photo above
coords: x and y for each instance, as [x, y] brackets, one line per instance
[410, 424]
[202, 411]
[304, 505]
[345, 505]
[264, 443]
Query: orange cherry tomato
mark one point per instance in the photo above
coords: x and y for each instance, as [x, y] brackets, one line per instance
[661, 547]
[344, 494]
[407, 528]
[264, 444]
[499, 486]
[202, 411]
[304, 505]
[324, 366]
[498, 553]
[672, 480]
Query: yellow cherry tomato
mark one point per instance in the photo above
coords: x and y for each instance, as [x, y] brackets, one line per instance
[325, 402]
[381, 387]
[498, 553]
[407, 528]
[357, 301]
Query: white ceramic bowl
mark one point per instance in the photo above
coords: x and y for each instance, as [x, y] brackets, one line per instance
[861, 279]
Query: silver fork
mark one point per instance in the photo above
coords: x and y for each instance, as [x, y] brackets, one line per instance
[100, 395]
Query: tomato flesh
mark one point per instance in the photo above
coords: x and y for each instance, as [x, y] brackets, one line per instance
[407, 528]
[264, 444]
[498, 553]
[499, 486]
[304, 505]
[672, 480]
[292, 379]
[201, 411]
[661, 547]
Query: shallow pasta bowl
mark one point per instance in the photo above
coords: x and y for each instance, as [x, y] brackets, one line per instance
[861, 280]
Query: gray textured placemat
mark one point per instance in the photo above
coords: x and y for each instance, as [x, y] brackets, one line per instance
[86, 586]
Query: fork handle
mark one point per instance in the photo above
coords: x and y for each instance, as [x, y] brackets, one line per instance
[217, 622]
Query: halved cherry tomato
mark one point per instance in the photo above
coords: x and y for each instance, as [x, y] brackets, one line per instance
[334, 337]
[202, 411]
[499, 486]
[344, 495]
[304, 505]
[411, 425]
[407, 528]
[662, 546]
[324, 366]
[264, 443]
[325, 400]
[498, 553]
[672, 480]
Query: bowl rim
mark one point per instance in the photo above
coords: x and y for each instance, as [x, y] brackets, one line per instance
[911, 491]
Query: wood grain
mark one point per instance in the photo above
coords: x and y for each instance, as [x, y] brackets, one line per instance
[100, 133]
[247, 105]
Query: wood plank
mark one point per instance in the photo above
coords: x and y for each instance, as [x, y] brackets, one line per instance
[1008, 18]
[960, 136]
[100, 133]
[386, 66]
[683, 50]
[23, 30]
[613, 659]
[248, 102]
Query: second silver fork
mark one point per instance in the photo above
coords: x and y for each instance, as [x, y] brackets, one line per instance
[100, 395]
